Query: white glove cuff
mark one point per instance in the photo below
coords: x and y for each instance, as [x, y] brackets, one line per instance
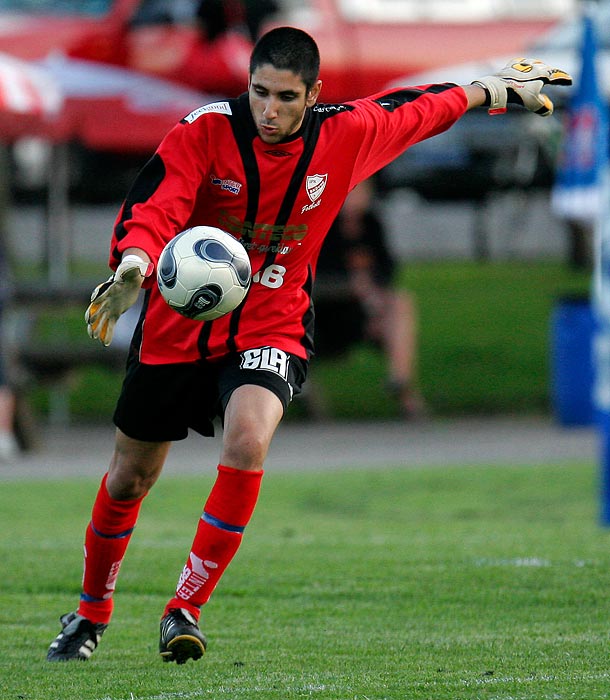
[129, 262]
[496, 89]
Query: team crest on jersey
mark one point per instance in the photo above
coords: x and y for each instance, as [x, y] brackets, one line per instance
[314, 185]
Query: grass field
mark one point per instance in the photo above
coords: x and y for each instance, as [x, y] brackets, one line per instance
[484, 345]
[484, 338]
[433, 584]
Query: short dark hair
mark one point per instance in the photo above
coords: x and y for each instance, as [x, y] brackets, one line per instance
[288, 48]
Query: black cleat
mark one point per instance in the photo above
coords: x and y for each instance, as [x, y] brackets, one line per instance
[181, 639]
[77, 640]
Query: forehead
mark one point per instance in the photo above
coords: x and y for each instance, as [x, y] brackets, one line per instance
[277, 80]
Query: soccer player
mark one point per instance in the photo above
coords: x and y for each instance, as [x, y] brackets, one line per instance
[273, 168]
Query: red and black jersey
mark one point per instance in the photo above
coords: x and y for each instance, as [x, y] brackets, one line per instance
[279, 200]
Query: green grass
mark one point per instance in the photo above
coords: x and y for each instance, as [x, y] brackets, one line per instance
[484, 345]
[484, 341]
[432, 584]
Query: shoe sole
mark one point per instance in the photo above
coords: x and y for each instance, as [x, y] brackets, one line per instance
[182, 648]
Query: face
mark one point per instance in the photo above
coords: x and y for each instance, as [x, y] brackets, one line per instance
[278, 100]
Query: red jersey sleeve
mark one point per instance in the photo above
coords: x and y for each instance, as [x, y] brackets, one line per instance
[391, 121]
[161, 200]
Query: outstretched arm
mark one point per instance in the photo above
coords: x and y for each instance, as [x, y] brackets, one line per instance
[476, 95]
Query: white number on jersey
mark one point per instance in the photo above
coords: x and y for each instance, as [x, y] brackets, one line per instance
[272, 276]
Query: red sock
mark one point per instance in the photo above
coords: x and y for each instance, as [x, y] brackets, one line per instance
[106, 540]
[219, 532]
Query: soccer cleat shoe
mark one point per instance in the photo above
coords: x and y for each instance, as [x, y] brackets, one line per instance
[181, 638]
[77, 640]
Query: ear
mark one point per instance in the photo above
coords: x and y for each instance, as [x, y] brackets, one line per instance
[313, 94]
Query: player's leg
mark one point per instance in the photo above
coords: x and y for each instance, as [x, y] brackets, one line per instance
[251, 417]
[134, 468]
[151, 412]
[255, 403]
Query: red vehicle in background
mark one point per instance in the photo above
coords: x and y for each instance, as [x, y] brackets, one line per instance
[365, 44]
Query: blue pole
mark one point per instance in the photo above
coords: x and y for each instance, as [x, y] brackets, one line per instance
[601, 349]
[582, 191]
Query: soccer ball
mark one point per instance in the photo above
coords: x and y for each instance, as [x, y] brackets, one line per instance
[204, 273]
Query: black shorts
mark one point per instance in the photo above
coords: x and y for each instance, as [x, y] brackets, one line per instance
[158, 403]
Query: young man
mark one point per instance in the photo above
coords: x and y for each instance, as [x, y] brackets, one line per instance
[273, 169]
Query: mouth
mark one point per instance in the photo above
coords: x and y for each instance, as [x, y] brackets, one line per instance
[267, 130]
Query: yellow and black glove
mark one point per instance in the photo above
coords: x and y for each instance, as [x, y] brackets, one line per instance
[113, 297]
[521, 82]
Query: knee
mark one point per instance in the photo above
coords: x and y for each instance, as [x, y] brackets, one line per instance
[251, 417]
[122, 490]
[125, 484]
[132, 473]
[246, 449]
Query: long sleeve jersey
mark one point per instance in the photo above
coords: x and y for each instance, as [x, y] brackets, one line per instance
[280, 200]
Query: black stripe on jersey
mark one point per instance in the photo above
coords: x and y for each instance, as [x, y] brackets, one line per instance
[144, 186]
[244, 132]
[396, 99]
[307, 341]
[203, 339]
[136, 339]
[311, 134]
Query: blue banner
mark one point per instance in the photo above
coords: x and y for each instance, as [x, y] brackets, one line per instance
[583, 159]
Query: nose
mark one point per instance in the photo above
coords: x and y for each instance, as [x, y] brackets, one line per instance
[270, 111]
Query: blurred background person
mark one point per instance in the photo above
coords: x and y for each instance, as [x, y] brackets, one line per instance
[219, 16]
[356, 298]
[8, 441]
[217, 60]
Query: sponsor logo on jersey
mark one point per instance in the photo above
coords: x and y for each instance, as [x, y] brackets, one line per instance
[314, 185]
[266, 248]
[328, 109]
[267, 359]
[263, 237]
[219, 107]
[227, 185]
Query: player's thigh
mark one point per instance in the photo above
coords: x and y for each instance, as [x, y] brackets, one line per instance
[255, 387]
[280, 372]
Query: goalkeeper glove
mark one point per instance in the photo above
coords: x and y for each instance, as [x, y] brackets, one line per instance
[113, 297]
[521, 82]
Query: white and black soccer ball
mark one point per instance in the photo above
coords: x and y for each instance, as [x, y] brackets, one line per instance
[204, 273]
